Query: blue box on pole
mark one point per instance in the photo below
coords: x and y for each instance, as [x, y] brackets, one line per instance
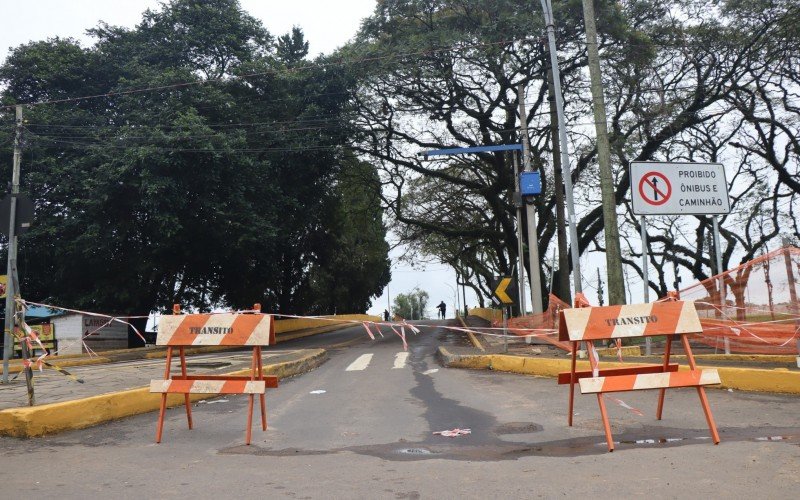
[530, 183]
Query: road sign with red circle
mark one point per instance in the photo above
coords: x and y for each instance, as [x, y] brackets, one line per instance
[673, 188]
[655, 188]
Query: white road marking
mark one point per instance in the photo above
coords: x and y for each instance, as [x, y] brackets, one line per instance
[432, 370]
[400, 360]
[361, 363]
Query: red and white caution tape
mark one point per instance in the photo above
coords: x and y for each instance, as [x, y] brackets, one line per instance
[627, 406]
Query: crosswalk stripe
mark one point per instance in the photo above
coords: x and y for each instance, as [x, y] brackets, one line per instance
[400, 360]
[361, 363]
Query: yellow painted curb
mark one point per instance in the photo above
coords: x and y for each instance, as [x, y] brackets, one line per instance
[755, 358]
[86, 412]
[743, 379]
[486, 313]
[628, 350]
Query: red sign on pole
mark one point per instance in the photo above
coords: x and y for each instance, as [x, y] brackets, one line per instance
[655, 188]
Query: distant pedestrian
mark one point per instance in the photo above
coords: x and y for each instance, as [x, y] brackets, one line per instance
[385, 315]
[442, 307]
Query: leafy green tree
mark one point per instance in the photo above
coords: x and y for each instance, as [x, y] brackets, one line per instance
[412, 305]
[214, 192]
[354, 264]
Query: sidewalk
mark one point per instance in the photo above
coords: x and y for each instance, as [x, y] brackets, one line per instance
[51, 386]
[118, 390]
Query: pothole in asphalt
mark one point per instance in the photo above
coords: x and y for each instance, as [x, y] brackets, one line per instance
[518, 428]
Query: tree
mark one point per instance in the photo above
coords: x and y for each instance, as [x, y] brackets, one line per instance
[446, 75]
[216, 188]
[354, 264]
[412, 305]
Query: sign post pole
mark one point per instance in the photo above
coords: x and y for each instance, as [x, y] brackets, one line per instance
[520, 255]
[721, 286]
[505, 329]
[648, 346]
[530, 210]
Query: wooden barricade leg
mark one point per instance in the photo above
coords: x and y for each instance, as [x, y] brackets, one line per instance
[701, 392]
[182, 353]
[572, 383]
[262, 397]
[606, 424]
[595, 364]
[163, 409]
[662, 392]
[251, 402]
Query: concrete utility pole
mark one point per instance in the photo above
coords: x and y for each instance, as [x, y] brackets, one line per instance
[12, 285]
[562, 133]
[535, 274]
[616, 284]
[520, 256]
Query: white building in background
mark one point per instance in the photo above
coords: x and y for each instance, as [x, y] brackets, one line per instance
[72, 327]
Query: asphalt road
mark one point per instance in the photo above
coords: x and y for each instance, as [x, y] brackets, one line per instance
[370, 435]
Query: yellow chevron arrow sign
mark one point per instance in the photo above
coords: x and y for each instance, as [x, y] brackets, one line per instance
[500, 291]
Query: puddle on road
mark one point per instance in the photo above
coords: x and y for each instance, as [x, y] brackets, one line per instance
[214, 365]
[501, 450]
[414, 451]
[518, 428]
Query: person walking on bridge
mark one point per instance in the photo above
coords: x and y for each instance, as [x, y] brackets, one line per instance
[442, 307]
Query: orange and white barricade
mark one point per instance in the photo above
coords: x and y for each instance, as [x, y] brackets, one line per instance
[672, 319]
[231, 329]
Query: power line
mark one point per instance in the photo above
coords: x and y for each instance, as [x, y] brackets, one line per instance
[340, 62]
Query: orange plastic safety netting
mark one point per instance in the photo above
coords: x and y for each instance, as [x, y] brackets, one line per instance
[752, 308]
[543, 326]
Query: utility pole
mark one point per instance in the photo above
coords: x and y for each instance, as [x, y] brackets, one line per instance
[12, 287]
[535, 273]
[558, 181]
[616, 285]
[520, 253]
[562, 133]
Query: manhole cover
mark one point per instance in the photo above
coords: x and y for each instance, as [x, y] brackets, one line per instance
[414, 451]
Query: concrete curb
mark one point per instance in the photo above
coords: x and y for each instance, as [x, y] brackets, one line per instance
[779, 380]
[86, 412]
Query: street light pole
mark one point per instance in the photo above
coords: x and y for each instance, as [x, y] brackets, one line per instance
[562, 133]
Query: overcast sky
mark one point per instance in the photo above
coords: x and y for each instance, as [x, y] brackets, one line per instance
[327, 24]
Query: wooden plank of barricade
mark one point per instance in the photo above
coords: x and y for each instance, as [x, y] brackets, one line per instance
[644, 381]
[179, 386]
[251, 329]
[671, 318]
[564, 377]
